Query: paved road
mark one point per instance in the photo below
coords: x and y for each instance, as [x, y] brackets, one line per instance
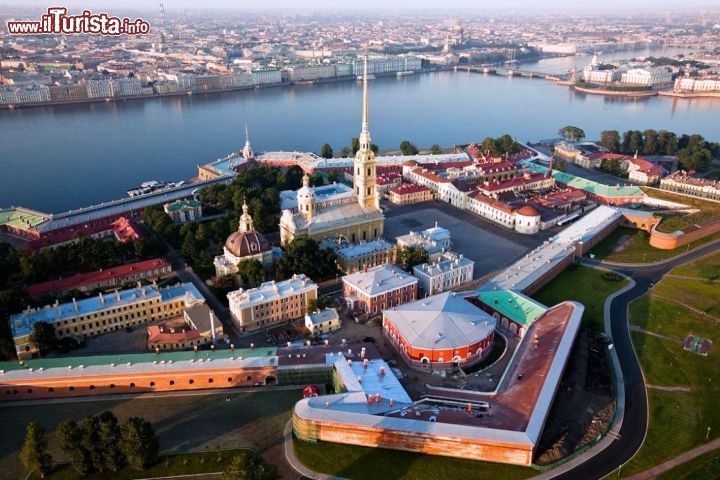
[632, 432]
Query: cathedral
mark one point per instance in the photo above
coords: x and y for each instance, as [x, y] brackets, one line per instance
[355, 219]
[244, 244]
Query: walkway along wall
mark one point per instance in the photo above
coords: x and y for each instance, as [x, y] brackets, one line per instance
[680, 238]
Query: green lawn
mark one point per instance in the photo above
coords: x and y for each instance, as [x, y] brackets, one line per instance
[360, 463]
[699, 294]
[678, 420]
[704, 467]
[585, 285]
[184, 464]
[708, 210]
[707, 267]
[629, 245]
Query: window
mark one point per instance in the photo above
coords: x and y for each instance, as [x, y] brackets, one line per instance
[210, 380]
[132, 385]
[92, 387]
[152, 384]
[229, 379]
[172, 382]
[191, 381]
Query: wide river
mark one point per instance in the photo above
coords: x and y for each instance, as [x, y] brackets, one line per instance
[55, 159]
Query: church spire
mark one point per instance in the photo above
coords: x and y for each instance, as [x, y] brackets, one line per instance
[365, 164]
[247, 151]
[246, 221]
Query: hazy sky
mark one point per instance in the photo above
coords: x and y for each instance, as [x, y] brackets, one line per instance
[379, 4]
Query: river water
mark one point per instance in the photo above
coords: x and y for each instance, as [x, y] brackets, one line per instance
[57, 158]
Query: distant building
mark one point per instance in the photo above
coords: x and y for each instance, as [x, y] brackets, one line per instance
[643, 172]
[99, 88]
[104, 279]
[647, 77]
[125, 230]
[105, 313]
[181, 211]
[310, 72]
[322, 322]
[408, 193]
[449, 271]
[127, 87]
[355, 257]
[243, 245]
[376, 289]
[697, 85]
[266, 76]
[68, 93]
[689, 183]
[434, 241]
[271, 303]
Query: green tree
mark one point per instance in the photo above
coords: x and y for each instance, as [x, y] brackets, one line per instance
[35, 455]
[140, 443]
[610, 139]
[319, 303]
[408, 257]
[345, 152]
[70, 437]
[43, 336]
[355, 145]
[326, 151]
[571, 133]
[435, 149]
[408, 148]
[695, 157]
[110, 442]
[375, 149]
[303, 255]
[251, 273]
[650, 142]
[249, 465]
[507, 144]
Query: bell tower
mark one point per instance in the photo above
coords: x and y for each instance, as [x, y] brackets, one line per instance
[365, 165]
[246, 221]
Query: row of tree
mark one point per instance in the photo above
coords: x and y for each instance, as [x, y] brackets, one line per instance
[98, 444]
[693, 151]
[503, 145]
[406, 147]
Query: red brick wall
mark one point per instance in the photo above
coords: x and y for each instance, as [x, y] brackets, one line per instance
[133, 383]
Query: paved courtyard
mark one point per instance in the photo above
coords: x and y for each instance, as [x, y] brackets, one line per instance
[490, 246]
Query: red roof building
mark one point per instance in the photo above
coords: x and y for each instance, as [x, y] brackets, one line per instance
[112, 277]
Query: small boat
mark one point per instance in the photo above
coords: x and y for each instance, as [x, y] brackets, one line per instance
[405, 73]
[370, 77]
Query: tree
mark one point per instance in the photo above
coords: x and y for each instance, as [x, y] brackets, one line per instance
[408, 148]
[43, 336]
[345, 152]
[610, 139]
[635, 142]
[320, 303]
[355, 145]
[70, 437]
[251, 273]
[435, 149]
[507, 144]
[695, 157]
[110, 442]
[140, 443]
[375, 149]
[326, 151]
[408, 257]
[650, 142]
[249, 465]
[35, 454]
[572, 133]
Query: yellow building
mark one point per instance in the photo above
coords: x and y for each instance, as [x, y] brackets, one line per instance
[355, 221]
[105, 313]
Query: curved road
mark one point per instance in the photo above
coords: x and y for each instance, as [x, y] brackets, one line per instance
[632, 432]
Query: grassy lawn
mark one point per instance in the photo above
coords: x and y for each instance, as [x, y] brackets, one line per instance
[184, 424]
[699, 294]
[670, 223]
[585, 285]
[704, 467]
[360, 463]
[183, 464]
[707, 267]
[629, 245]
[678, 420]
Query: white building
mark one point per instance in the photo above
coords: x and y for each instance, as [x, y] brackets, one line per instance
[310, 72]
[266, 76]
[126, 87]
[434, 241]
[696, 85]
[99, 88]
[322, 322]
[8, 94]
[646, 77]
[450, 271]
[33, 94]
[379, 66]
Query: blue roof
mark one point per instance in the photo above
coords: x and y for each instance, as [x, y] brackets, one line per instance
[21, 324]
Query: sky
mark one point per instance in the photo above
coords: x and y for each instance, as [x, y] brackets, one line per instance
[379, 4]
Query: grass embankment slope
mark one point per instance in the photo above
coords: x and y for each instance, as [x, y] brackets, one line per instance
[687, 301]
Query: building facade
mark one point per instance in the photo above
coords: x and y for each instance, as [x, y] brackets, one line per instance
[375, 289]
[243, 245]
[271, 303]
[105, 313]
[450, 271]
[182, 211]
[322, 322]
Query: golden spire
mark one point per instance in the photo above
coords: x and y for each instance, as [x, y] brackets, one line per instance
[365, 94]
